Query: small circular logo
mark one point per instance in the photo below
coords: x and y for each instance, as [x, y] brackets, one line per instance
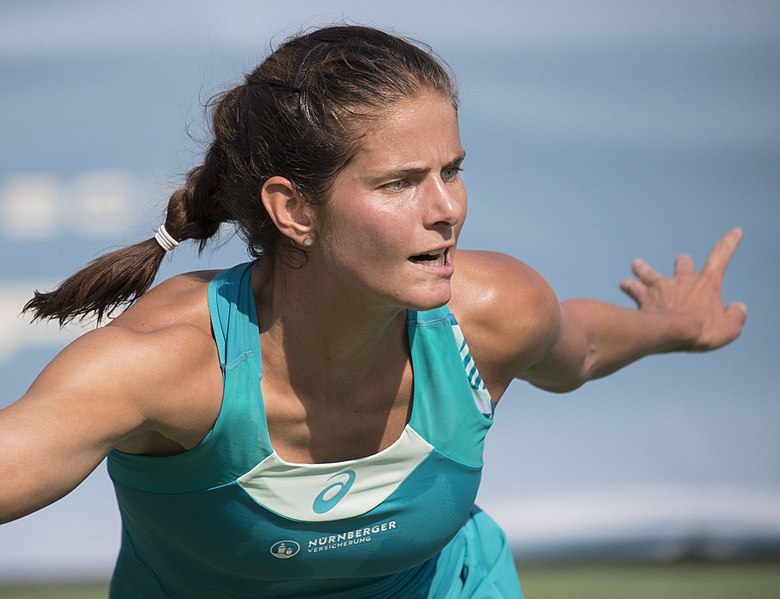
[285, 549]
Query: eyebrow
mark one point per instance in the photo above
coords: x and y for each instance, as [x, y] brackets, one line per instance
[421, 170]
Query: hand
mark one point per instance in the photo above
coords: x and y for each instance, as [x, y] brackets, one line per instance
[693, 299]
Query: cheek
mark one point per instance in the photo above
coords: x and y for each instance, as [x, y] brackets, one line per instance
[351, 241]
[462, 199]
[368, 227]
[368, 253]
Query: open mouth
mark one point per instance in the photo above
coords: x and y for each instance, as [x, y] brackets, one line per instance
[438, 258]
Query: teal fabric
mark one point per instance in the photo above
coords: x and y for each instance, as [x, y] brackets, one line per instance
[191, 531]
[481, 553]
[458, 433]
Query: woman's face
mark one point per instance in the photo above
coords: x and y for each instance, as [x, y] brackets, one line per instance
[387, 233]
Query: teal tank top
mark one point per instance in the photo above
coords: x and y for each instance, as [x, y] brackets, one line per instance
[230, 518]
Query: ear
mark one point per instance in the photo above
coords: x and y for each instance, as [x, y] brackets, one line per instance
[291, 214]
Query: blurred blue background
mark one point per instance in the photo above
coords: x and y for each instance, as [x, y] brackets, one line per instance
[596, 133]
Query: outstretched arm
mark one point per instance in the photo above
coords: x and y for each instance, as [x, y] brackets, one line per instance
[682, 313]
[560, 346]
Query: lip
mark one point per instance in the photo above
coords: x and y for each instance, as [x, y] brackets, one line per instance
[440, 270]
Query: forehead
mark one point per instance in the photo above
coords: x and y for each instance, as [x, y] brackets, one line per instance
[418, 131]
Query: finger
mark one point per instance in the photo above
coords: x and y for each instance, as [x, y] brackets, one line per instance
[636, 290]
[684, 266]
[646, 273]
[721, 254]
[736, 313]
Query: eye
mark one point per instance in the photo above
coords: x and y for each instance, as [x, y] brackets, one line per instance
[450, 173]
[396, 185]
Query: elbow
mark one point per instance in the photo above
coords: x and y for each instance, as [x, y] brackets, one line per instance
[565, 376]
[10, 511]
[18, 505]
[559, 386]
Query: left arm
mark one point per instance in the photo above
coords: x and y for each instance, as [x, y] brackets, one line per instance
[521, 331]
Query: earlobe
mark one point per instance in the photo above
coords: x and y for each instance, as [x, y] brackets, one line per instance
[287, 208]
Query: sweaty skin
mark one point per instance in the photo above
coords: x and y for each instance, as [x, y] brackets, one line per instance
[150, 381]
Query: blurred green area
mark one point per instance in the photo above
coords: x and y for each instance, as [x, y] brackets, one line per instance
[684, 580]
[93, 590]
[755, 580]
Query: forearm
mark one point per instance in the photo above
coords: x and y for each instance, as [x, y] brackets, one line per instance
[615, 336]
[598, 338]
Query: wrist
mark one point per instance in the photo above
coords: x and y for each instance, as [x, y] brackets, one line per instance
[681, 333]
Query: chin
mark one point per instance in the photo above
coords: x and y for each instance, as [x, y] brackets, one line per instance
[429, 301]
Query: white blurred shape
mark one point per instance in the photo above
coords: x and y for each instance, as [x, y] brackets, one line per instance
[103, 203]
[16, 332]
[29, 207]
[654, 510]
[93, 204]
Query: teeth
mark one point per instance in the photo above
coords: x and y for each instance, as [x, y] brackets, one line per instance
[433, 258]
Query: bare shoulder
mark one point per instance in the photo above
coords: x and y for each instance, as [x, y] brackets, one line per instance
[180, 300]
[167, 324]
[154, 368]
[508, 312]
[148, 383]
[170, 327]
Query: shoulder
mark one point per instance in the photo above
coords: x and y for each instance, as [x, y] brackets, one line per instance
[172, 316]
[167, 327]
[169, 330]
[180, 300]
[483, 275]
[156, 361]
[509, 314]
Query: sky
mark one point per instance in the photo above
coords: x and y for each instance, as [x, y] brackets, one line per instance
[596, 133]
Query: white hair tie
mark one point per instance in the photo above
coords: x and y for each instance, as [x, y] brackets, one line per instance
[164, 239]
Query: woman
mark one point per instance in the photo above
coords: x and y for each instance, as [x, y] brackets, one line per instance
[310, 424]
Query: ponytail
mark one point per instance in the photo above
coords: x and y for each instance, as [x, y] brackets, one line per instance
[122, 276]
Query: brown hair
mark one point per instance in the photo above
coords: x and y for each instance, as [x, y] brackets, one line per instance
[296, 115]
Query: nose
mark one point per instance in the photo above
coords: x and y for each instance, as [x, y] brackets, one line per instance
[446, 204]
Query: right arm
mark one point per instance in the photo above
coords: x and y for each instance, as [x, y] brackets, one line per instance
[115, 387]
[517, 328]
[76, 411]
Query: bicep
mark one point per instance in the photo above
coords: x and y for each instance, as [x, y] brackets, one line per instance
[63, 427]
[45, 455]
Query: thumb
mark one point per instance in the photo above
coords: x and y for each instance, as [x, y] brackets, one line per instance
[736, 314]
[737, 310]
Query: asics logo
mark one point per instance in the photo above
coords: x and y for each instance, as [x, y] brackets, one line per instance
[330, 496]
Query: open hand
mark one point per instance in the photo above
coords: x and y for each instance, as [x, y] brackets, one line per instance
[692, 298]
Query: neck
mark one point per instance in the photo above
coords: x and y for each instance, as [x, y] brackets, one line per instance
[321, 338]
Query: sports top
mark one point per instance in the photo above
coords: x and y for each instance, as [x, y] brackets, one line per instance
[230, 518]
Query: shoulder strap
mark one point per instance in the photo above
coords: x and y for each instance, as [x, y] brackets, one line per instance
[234, 316]
[448, 412]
